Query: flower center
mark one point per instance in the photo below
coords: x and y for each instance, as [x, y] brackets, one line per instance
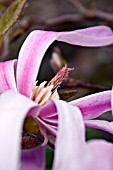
[32, 132]
[46, 91]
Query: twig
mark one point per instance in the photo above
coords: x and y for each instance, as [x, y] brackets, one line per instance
[92, 13]
[82, 84]
[73, 18]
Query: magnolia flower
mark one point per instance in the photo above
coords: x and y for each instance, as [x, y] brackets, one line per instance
[71, 150]
[20, 76]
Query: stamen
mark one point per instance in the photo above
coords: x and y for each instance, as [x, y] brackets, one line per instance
[42, 93]
[60, 77]
[55, 95]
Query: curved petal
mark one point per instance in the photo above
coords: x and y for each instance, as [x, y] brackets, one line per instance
[49, 114]
[49, 123]
[70, 137]
[49, 117]
[30, 58]
[53, 122]
[97, 31]
[37, 42]
[34, 159]
[48, 110]
[94, 105]
[89, 37]
[49, 127]
[7, 75]
[13, 109]
[71, 150]
[100, 124]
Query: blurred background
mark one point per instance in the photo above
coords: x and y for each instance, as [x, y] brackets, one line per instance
[93, 67]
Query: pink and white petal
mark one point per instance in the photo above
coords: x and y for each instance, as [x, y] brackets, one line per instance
[70, 137]
[94, 105]
[36, 44]
[49, 124]
[78, 154]
[53, 122]
[97, 31]
[7, 75]
[49, 127]
[100, 124]
[48, 111]
[91, 37]
[99, 155]
[71, 150]
[30, 57]
[34, 159]
[13, 109]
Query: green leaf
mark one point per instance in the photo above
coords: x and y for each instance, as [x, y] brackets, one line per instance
[10, 16]
[1, 40]
[2, 6]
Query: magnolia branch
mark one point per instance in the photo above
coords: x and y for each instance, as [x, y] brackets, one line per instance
[87, 85]
[74, 18]
[81, 16]
[83, 13]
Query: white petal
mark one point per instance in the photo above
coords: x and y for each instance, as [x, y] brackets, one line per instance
[70, 137]
[13, 109]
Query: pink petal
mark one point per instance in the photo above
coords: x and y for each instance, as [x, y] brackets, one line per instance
[70, 137]
[34, 159]
[13, 109]
[49, 114]
[100, 124]
[48, 110]
[49, 127]
[71, 150]
[30, 58]
[99, 155]
[53, 122]
[97, 31]
[91, 37]
[94, 105]
[49, 123]
[91, 106]
[36, 44]
[7, 75]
